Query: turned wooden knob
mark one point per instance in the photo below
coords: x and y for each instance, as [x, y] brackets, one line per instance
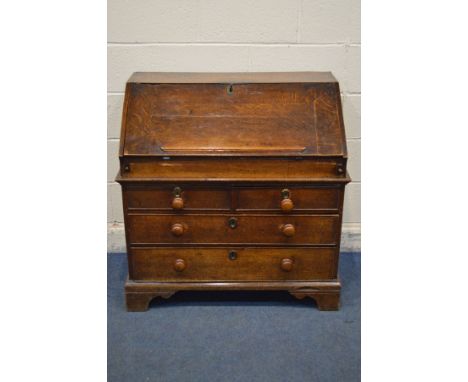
[177, 203]
[177, 229]
[180, 265]
[286, 265]
[288, 230]
[287, 204]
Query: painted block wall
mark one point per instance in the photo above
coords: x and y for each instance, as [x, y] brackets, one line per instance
[238, 36]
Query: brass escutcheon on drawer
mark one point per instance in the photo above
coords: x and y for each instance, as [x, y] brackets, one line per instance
[232, 222]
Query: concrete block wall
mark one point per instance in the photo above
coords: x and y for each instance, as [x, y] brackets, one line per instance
[239, 36]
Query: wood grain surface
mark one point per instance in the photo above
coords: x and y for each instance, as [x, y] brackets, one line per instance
[233, 181]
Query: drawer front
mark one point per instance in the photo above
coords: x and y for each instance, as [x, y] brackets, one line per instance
[229, 264]
[178, 199]
[219, 229]
[298, 199]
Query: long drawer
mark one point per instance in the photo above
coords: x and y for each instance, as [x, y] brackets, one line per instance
[229, 264]
[232, 229]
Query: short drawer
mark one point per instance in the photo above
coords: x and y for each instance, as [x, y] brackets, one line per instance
[178, 199]
[288, 199]
[219, 229]
[233, 264]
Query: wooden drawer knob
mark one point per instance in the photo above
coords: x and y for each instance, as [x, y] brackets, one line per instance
[177, 203]
[286, 265]
[286, 203]
[177, 229]
[288, 230]
[180, 265]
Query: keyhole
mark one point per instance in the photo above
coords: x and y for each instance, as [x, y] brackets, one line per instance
[230, 89]
[232, 222]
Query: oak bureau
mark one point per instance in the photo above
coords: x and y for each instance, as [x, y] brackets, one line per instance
[232, 181]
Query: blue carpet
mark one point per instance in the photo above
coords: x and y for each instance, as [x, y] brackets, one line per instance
[234, 336]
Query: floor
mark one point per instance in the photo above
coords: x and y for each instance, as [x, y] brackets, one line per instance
[234, 336]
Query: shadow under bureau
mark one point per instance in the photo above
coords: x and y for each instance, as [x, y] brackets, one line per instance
[232, 181]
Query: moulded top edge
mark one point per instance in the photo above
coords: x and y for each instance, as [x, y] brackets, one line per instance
[246, 77]
[335, 180]
[214, 155]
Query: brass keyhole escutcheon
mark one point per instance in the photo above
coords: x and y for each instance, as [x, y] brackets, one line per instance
[177, 191]
[232, 255]
[230, 89]
[232, 223]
